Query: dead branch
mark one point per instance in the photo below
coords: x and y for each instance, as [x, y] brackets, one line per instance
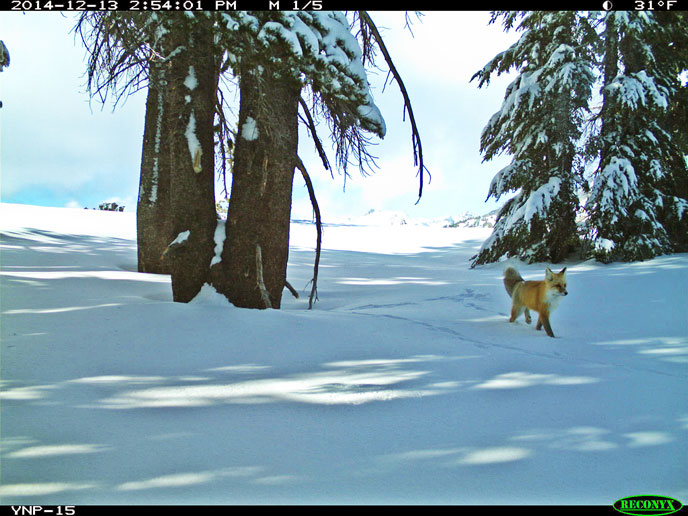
[318, 143]
[318, 227]
[118, 54]
[226, 135]
[291, 289]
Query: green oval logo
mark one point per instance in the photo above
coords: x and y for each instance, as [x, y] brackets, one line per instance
[647, 504]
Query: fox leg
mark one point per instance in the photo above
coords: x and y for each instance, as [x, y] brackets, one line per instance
[543, 320]
[516, 311]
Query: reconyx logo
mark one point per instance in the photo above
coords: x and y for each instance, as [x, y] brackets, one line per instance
[647, 504]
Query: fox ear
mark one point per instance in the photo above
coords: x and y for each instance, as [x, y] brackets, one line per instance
[562, 271]
[548, 273]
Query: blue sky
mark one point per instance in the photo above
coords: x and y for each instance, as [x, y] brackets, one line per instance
[59, 148]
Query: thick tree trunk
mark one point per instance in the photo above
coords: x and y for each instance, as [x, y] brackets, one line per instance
[611, 70]
[153, 220]
[252, 273]
[192, 92]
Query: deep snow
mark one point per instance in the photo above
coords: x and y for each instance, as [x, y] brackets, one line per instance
[404, 384]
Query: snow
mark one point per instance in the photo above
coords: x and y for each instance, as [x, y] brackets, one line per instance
[325, 48]
[526, 85]
[153, 193]
[190, 81]
[249, 131]
[193, 143]
[219, 239]
[181, 238]
[540, 199]
[603, 244]
[271, 29]
[156, 159]
[617, 181]
[633, 91]
[405, 383]
[524, 205]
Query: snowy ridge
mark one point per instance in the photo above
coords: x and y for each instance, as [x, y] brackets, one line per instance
[397, 218]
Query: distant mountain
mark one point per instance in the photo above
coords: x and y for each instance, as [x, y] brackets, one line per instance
[469, 220]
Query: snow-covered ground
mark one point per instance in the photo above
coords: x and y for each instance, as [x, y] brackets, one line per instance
[405, 383]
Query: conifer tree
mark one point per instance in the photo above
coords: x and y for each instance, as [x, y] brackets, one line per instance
[539, 124]
[276, 55]
[627, 153]
[637, 204]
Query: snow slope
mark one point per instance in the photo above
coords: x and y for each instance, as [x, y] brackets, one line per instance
[405, 383]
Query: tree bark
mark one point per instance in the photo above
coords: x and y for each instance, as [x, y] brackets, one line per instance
[192, 91]
[252, 273]
[153, 220]
[611, 70]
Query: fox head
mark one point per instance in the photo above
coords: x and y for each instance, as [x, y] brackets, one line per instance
[557, 281]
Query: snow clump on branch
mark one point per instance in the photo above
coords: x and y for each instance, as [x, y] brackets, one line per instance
[319, 49]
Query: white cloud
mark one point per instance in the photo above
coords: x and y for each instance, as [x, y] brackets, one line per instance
[447, 47]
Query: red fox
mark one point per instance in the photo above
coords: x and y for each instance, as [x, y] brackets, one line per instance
[541, 296]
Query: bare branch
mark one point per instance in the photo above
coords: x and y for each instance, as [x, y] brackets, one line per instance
[350, 140]
[318, 226]
[318, 143]
[226, 136]
[118, 53]
[409, 22]
[291, 289]
[415, 134]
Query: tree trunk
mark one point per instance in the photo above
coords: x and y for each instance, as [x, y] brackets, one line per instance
[153, 220]
[252, 273]
[609, 108]
[192, 92]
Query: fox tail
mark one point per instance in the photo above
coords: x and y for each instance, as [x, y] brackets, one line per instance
[511, 278]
